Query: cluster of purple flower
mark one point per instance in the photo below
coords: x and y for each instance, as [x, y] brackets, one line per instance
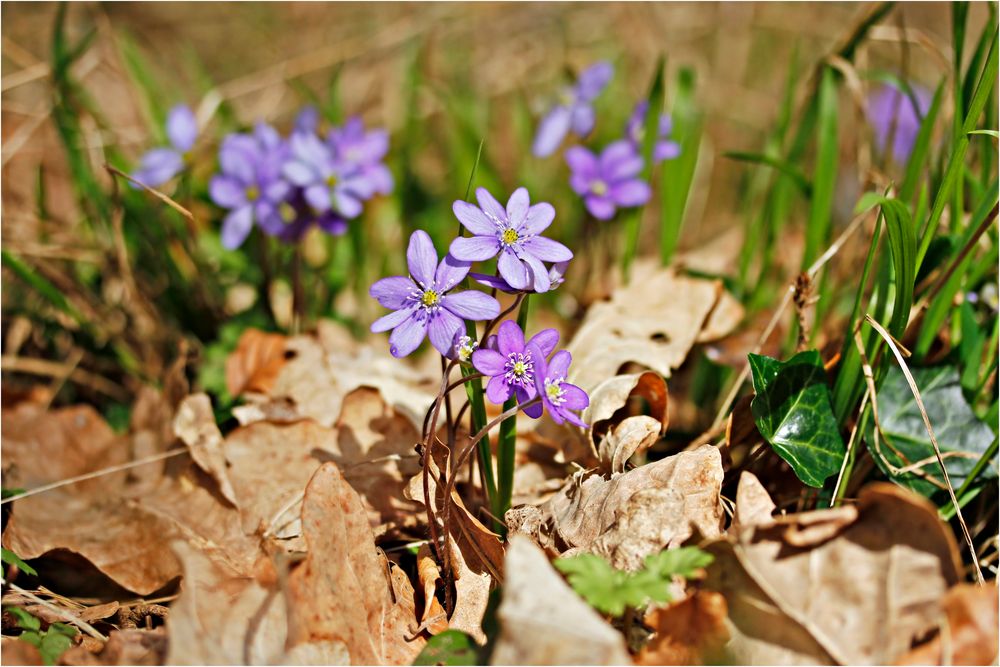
[424, 304]
[611, 179]
[281, 185]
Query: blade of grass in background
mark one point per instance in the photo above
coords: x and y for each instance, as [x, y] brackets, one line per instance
[825, 170]
[633, 219]
[921, 148]
[677, 175]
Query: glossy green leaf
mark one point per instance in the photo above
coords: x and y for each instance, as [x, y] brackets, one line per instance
[792, 411]
[451, 647]
[955, 425]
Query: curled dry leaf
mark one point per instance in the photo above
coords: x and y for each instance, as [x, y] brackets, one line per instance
[433, 617]
[691, 631]
[195, 425]
[543, 622]
[653, 321]
[620, 438]
[893, 563]
[643, 511]
[968, 633]
[255, 363]
[346, 590]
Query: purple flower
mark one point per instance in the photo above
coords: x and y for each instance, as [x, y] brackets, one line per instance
[354, 145]
[307, 120]
[159, 165]
[608, 181]
[329, 183]
[635, 130]
[422, 304]
[573, 109]
[251, 186]
[513, 233]
[888, 105]
[559, 396]
[556, 273]
[511, 364]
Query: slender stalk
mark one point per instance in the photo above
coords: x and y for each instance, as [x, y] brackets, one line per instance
[507, 443]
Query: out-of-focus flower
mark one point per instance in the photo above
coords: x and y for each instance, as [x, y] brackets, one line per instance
[558, 396]
[422, 305]
[511, 366]
[513, 233]
[366, 149]
[609, 181]
[328, 183]
[556, 273]
[159, 165]
[635, 130]
[573, 110]
[888, 105]
[307, 120]
[250, 185]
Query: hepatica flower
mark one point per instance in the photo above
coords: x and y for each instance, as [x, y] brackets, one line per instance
[888, 104]
[159, 165]
[608, 181]
[513, 234]
[573, 110]
[635, 130]
[328, 183]
[512, 364]
[366, 149]
[250, 185]
[556, 278]
[559, 397]
[422, 303]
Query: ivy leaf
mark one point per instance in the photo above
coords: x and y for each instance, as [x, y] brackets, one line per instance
[451, 647]
[955, 425]
[792, 411]
[12, 558]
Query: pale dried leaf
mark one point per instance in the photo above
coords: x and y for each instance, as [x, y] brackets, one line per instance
[753, 504]
[195, 425]
[691, 631]
[433, 617]
[17, 652]
[725, 316]
[968, 635]
[543, 622]
[255, 363]
[634, 435]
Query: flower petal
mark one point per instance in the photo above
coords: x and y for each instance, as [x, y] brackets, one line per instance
[540, 281]
[581, 161]
[300, 173]
[551, 131]
[615, 154]
[576, 398]
[332, 224]
[490, 206]
[318, 197]
[392, 292]
[475, 248]
[226, 192]
[422, 258]
[666, 150]
[539, 217]
[601, 208]
[236, 227]
[592, 80]
[182, 128]
[472, 305]
[442, 329]
[510, 338]
[392, 320]
[473, 218]
[450, 272]
[582, 120]
[559, 365]
[498, 390]
[158, 166]
[547, 250]
[488, 362]
[631, 193]
[513, 270]
[347, 204]
[407, 336]
[534, 411]
[546, 341]
[495, 282]
[517, 207]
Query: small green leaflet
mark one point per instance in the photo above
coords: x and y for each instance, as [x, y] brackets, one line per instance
[51, 643]
[955, 425]
[610, 591]
[792, 411]
[451, 647]
[12, 558]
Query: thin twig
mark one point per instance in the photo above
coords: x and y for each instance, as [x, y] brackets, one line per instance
[156, 193]
[68, 616]
[930, 432]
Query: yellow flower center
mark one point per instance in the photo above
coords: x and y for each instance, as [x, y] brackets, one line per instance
[599, 188]
[331, 180]
[519, 368]
[252, 193]
[430, 298]
[554, 391]
[509, 236]
[287, 212]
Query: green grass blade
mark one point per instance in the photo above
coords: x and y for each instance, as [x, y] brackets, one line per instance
[677, 175]
[825, 171]
[921, 148]
[798, 178]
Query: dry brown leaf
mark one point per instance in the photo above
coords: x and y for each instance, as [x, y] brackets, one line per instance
[968, 633]
[255, 363]
[433, 618]
[346, 590]
[543, 622]
[691, 631]
[223, 617]
[195, 425]
[17, 652]
[643, 511]
[653, 321]
[633, 436]
[753, 504]
[893, 563]
[124, 647]
[725, 316]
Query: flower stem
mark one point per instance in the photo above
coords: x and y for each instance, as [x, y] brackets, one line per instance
[507, 443]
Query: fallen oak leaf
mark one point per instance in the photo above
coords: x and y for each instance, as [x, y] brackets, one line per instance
[968, 633]
[691, 631]
[194, 425]
[255, 363]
